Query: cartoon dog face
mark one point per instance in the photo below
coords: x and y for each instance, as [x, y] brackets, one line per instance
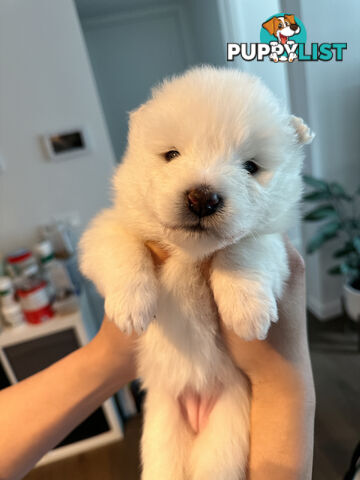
[282, 27]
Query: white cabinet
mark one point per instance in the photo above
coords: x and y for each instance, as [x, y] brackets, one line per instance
[27, 349]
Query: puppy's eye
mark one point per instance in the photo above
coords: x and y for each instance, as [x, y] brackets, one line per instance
[171, 154]
[251, 167]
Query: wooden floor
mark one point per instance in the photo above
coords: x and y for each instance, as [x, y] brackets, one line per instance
[118, 461]
[336, 365]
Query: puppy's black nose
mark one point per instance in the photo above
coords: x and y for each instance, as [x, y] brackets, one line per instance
[294, 26]
[202, 201]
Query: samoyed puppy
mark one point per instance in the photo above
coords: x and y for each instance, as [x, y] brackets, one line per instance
[212, 170]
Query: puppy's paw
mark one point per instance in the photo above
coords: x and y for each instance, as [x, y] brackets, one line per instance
[132, 307]
[254, 319]
[247, 307]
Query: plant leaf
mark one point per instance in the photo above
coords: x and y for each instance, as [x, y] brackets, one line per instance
[336, 270]
[315, 243]
[325, 233]
[317, 195]
[342, 252]
[353, 260]
[352, 223]
[348, 270]
[356, 243]
[338, 191]
[330, 227]
[315, 182]
[319, 213]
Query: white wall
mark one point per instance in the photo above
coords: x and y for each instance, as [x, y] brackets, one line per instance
[134, 44]
[46, 85]
[131, 50]
[241, 22]
[331, 92]
[205, 24]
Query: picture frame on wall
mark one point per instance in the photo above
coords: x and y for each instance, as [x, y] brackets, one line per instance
[66, 144]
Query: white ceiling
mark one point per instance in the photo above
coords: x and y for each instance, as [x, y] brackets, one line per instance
[90, 8]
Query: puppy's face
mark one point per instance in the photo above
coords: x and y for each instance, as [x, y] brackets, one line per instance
[211, 159]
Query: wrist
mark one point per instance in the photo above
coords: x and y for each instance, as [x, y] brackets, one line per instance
[289, 383]
[113, 353]
[282, 417]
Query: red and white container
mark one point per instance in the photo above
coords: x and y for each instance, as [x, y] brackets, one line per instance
[35, 303]
[19, 262]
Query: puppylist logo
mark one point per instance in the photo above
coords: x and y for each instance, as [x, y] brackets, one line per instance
[283, 39]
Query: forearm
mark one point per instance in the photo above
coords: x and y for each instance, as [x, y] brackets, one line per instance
[282, 423]
[37, 413]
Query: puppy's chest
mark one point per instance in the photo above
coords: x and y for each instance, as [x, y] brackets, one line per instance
[182, 346]
[184, 292]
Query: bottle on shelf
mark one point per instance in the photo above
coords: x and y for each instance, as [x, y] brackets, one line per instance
[30, 287]
[60, 286]
[11, 311]
[6, 288]
[34, 301]
[20, 265]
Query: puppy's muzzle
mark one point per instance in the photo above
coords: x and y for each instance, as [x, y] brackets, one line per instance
[203, 201]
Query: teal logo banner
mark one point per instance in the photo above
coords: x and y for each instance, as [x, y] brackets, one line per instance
[283, 39]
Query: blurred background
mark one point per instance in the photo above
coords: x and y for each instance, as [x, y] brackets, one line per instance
[70, 71]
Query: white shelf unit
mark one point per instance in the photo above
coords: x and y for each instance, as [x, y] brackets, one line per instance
[31, 341]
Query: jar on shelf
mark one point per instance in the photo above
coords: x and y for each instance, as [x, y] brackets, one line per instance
[11, 311]
[21, 264]
[54, 272]
[6, 288]
[12, 314]
[35, 302]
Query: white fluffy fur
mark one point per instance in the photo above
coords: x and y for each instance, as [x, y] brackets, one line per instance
[217, 119]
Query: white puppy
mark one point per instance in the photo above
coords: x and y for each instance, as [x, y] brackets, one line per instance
[212, 168]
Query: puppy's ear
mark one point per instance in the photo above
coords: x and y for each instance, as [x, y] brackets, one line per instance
[270, 25]
[291, 18]
[303, 132]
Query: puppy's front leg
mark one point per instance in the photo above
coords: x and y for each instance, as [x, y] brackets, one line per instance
[246, 279]
[122, 269]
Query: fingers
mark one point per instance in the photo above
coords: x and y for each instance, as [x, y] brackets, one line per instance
[289, 335]
[158, 253]
[296, 263]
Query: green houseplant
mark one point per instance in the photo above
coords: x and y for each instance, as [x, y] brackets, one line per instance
[338, 213]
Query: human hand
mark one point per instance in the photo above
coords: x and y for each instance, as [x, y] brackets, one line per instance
[117, 350]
